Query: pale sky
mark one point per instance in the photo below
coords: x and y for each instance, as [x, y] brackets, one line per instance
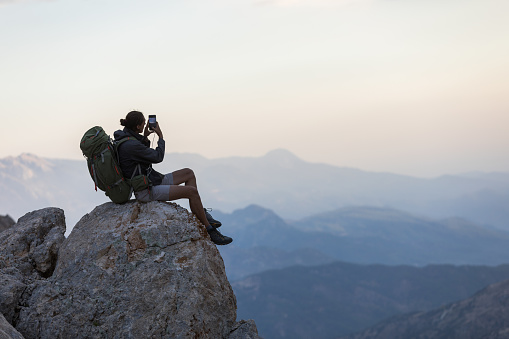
[416, 87]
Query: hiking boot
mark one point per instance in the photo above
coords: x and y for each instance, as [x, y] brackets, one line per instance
[213, 222]
[217, 238]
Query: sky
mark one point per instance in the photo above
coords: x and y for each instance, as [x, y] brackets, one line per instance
[415, 87]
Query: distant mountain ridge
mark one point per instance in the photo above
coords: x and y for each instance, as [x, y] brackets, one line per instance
[484, 315]
[279, 180]
[363, 235]
[338, 299]
[353, 234]
[28, 182]
[332, 214]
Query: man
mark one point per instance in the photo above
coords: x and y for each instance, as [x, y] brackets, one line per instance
[136, 155]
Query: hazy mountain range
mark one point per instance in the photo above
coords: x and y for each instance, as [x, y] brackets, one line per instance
[279, 180]
[315, 214]
[484, 315]
[337, 299]
[326, 301]
[365, 235]
[263, 239]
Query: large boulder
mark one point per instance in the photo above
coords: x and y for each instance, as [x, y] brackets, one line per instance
[138, 270]
[28, 253]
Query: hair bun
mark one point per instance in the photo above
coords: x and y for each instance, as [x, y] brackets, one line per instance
[132, 120]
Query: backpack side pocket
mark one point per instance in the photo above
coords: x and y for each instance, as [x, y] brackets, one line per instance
[140, 183]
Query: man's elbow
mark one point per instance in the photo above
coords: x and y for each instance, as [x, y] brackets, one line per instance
[159, 159]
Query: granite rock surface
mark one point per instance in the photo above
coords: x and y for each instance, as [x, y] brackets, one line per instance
[137, 270]
[7, 331]
[28, 253]
[6, 222]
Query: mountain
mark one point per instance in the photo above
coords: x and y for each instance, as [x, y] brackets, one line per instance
[362, 235]
[241, 262]
[340, 298]
[29, 183]
[295, 188]
[343, 298]
[290, 186]
[397, 237]
[484, 315]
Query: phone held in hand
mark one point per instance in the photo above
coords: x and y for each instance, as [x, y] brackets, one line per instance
[152, 123]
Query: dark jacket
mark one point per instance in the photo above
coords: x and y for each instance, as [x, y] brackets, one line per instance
[136, 151]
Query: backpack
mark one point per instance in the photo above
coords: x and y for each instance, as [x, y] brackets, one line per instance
[103, 166]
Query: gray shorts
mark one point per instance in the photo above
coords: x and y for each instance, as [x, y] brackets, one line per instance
[160, 192]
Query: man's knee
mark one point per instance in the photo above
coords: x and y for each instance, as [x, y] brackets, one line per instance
[192, 192]
[189, 173]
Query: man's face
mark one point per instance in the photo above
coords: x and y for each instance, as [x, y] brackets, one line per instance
[141, 127]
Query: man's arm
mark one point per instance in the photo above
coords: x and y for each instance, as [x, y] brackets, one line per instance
[156, 129]
[144, 154]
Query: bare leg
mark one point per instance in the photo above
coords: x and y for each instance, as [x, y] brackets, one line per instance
[190, 192]
[184, 176]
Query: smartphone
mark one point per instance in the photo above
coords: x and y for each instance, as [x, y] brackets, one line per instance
[152, 121]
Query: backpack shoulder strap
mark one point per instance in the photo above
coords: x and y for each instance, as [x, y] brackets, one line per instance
[121, 141]
[117, 143]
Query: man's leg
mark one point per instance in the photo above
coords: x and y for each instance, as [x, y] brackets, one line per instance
[187, 177]
[191, 193]
[184, 176]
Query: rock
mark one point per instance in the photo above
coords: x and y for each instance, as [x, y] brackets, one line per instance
[138, 270]
[11, 290]
[6, 222]
[32, 245]
[7, 331]
[28, 252]
[245, 329]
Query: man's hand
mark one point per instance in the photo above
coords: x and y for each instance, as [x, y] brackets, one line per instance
[147, 131]
[158, 131]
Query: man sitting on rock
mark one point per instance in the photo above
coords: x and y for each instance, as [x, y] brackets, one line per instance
[136, 155]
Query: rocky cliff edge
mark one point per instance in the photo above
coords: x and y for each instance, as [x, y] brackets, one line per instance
[138, 270]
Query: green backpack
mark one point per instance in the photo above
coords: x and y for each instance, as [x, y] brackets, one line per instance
[103, 166]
